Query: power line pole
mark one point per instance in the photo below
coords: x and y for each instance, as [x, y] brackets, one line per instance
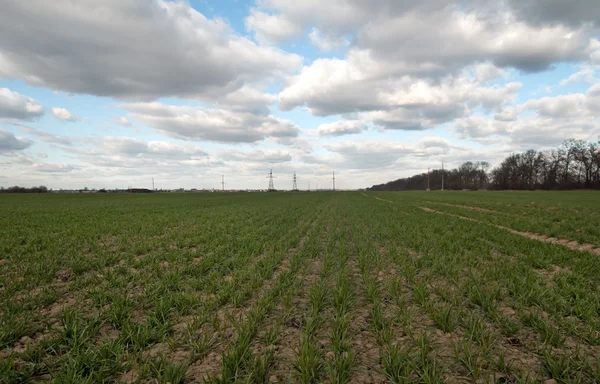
[428, 178]
[308, 185]
[334, 181]
[295, 186]
[270, 177]
[223, 183]
[442, 175]
[154, 189]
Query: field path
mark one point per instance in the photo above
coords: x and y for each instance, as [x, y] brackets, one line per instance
[570, 244]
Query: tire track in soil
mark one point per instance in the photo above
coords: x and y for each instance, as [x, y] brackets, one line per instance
[212, 362]
[570, 244]
[368, 369]
[469, 207]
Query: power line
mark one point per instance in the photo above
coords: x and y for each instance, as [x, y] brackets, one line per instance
[428, 179]
[442, 175]
[270, 177]
[334, 181]
[295, 186]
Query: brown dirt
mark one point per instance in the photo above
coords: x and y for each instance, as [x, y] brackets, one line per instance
[199, 370]
[368, 368]
[387, 201]
[364, 194]
[59, 306]
[109, 243]
[64, 275]
[552, 272]
[289, 340]
[469, 207]
[129, 377]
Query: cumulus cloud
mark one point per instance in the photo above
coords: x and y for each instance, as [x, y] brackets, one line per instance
[258, 156]
[123, 121]
[15, 106]
[246, 98]
[156, 149]
[539, 122]
[46, 137]
[130, 49]
[325, 43]
[408, 103]
[52, 168]
[10, 143]
[502, 39]
[368, 154]
[574, 13]
[341, 127]
[221, 125]
[63, 114]
[586, 74]
[271, 28]
[127, 155]
[440, 36]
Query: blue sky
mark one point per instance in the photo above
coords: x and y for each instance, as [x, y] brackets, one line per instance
[111, 94]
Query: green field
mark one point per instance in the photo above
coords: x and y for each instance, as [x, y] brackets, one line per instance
[301, 287]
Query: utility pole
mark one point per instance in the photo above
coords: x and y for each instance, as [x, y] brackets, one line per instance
[428, 178]
[442, 175]
[334, 181]
[223, 183]
[295, 186]
[270, 177]
[154, 189]
[308, 185]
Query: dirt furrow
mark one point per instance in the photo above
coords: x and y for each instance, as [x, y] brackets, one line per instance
[211, 363]
[570, 244]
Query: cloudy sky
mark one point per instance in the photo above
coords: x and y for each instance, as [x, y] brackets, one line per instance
[112, 93]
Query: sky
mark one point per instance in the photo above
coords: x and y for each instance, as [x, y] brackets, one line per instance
[113, 93]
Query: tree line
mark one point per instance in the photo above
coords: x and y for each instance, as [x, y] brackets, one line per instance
[575, 164]
[17, 189]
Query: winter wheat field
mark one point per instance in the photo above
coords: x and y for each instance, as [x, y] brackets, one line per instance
[486, 287]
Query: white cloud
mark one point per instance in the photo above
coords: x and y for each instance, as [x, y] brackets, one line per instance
[538, 122]
[341, 127]
[369, 154]
[63, 114]
[10, 143]
[407, 103]
[325, 43]
[123, 121]
[52, 168]
[155, 149]
[586, 74]
[271, 28]
[46, 137]
[15, 106]
[257, 156]
[130, 49]
[198, 123]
